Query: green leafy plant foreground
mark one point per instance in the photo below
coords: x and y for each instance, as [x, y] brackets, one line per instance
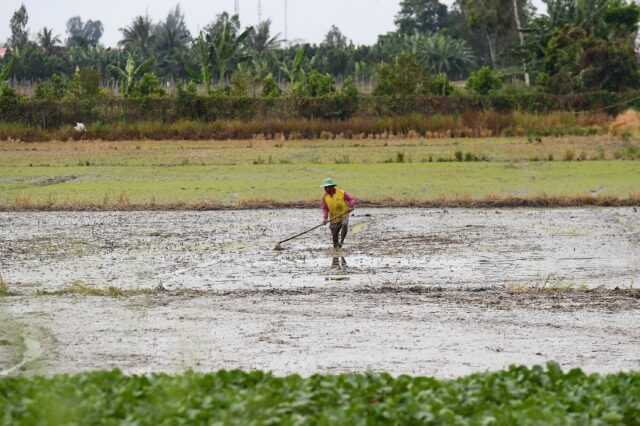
[519, 395]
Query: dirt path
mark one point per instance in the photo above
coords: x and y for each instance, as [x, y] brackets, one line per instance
[431, 292]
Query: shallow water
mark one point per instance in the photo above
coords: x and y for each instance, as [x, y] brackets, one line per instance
[233, 249]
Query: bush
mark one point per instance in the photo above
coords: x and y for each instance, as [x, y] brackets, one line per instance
[441, 85]
[317, 85]
[85, 85]
[517, 395]
[54, 90]
[349, 89]
[610, 66]
[495, 113]
[148, 86]
[350, 98]
[630, 152]
[405, 78]
[10, 103]
[483, 81]
[270, 88]
[241, 84]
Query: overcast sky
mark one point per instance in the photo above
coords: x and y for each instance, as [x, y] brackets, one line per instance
[309, 20]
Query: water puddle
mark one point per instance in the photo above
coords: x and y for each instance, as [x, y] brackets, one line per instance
[205, 250]
[33, 350]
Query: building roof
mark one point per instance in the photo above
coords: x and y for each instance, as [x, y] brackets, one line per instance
[3, 51]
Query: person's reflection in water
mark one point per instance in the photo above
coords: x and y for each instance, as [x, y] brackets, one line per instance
[339, 262]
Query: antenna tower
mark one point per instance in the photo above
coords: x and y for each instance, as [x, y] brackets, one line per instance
[286, 23]
[259, 11]
[236, 7]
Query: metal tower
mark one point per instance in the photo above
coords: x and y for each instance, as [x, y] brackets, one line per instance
[286, 23]
[259, 11]
[236, 7]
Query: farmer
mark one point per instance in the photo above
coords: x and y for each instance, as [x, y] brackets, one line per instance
[336, 206]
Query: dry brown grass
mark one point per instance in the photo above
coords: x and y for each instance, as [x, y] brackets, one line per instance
[467, 124]
[24, 202]
[626, 123]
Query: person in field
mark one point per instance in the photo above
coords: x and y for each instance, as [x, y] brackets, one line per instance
[337, 205]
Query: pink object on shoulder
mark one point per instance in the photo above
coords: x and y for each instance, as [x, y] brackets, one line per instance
[350, 199]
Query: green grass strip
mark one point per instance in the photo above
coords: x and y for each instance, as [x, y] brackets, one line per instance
[300, 182]
[519, 395]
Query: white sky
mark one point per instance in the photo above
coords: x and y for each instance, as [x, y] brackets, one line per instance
[360, 20]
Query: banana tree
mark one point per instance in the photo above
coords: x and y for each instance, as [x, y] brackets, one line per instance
[203, 58]
[130, 73]
[6, 70]
[227, 49]
[257, 70]
[293, 70]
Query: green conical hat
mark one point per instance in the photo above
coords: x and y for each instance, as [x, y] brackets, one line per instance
[328, 182]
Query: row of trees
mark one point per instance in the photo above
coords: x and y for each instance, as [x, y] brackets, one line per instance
[579, 45]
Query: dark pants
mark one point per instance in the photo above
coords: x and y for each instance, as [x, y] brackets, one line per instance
[339, 232]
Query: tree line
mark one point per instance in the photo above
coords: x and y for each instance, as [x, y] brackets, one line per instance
[577, 46]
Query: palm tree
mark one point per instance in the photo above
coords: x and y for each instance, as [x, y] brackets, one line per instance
[260, 42]
[47, 40]
[440, 53]
[172, 34]
[139, 36]
[227, 49]
[97, 57]
[130, 72]
[172, 38]
[83, 34]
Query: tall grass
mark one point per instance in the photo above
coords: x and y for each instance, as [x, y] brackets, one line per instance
[630, 152]
[467, 124]
[626, 125]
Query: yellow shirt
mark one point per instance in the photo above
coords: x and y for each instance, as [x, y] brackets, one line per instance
[337, 205]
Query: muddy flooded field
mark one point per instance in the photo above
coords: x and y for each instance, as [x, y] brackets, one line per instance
[418, 291]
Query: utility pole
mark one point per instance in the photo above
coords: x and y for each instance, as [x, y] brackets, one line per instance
[259, 11]
[236, 7]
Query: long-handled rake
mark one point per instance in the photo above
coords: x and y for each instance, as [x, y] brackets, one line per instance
[279, 243]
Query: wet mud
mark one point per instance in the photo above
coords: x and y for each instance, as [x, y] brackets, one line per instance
[416, 291]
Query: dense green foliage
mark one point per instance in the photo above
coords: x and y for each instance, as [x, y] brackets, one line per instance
[405, 78]
[84, 102]
[518, 395]
[483, 81]
[579, 45]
